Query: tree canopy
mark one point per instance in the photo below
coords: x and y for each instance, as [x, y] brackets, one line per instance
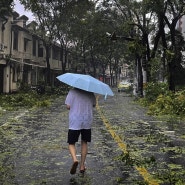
[5, 7]
[145, 34]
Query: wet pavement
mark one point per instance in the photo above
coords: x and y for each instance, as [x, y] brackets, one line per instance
[128, 147]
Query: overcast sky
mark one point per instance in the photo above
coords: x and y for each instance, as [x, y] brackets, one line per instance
[20, 9]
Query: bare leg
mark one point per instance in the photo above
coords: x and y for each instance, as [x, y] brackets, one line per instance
[72, 150]
[84, 149]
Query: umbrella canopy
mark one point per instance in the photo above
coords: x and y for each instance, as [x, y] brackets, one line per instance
[86, 82]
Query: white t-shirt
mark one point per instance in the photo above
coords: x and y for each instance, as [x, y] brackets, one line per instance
[81, 109]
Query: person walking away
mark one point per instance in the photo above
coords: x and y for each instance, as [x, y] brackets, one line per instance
[80, 104]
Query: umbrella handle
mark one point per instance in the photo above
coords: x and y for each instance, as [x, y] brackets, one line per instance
[105, 97]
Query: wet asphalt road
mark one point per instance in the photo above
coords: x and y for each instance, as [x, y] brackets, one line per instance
[34, 149]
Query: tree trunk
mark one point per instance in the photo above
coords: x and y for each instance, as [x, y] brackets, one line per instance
[171, 76]
[62, 58]
[93, 63]
[146, 57]
[174, 59]
[139, 76]
[64, 61]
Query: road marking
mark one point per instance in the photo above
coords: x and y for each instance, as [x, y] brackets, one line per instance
[143, 171]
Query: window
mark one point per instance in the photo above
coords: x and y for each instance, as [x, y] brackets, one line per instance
[40, 52]
[25, 43]
[56, 53]
[34, 47]
[40, 49]
[15, 41]
[24, 24]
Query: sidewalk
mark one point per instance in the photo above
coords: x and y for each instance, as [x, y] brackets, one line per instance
[34, 149]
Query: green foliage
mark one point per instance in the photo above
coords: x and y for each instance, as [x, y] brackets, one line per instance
[27, 100]
[132, 160]
[170, 103]
[155, 68]
[162, 105]
[135, 47]
[153, 90]
[170, 176]
[161, 101]
[44, 103]
[5, 7]
[24, 87]
[62, 89]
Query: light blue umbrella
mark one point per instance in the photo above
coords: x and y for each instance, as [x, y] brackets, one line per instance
[86, 82]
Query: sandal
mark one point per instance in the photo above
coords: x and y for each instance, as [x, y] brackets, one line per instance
[74, 167]
[83, 171]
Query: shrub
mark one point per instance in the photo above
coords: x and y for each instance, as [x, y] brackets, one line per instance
[153, 90]
[179, 103]
[24, 87]
[161, 101]
[162, 105]
[44, 103]
[169, 103]
[63, 90]
[28, 100]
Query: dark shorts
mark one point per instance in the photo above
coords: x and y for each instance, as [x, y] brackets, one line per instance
[73, 135]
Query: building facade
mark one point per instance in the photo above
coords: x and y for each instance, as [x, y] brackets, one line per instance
[23, 56]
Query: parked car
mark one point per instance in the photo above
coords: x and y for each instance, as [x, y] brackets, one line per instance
[124, 86]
